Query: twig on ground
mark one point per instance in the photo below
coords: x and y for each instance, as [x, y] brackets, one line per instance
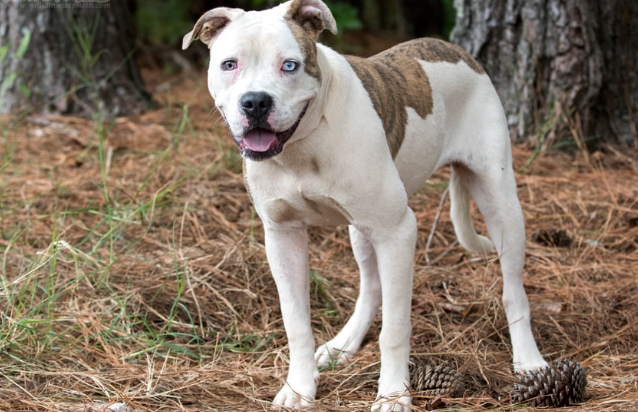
[435, 223]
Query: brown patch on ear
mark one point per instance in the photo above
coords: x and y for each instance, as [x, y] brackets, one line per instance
[210, 24]
[395, 80]
[212, 27]
[311, 22]
[312, 15]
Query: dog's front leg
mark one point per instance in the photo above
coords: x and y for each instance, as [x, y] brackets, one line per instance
[287, 252]
[394, 244]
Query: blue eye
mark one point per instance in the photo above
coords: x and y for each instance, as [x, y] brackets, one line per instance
[289, 66]
[229, 65]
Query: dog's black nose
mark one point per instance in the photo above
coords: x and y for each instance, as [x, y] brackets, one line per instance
[256, 104]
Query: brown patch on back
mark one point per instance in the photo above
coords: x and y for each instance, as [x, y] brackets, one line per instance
[435, 50]
[395, 80]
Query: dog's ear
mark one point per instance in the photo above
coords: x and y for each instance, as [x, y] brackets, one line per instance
[313, 15]
[210, 25]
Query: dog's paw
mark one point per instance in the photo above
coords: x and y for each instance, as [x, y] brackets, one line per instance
[393, 396]
[395, 404]
[329, 355]
[531, 361]
[291, 398]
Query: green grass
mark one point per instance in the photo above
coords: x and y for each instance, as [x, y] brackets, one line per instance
[107, 231]
[35, 296]
[320, 287]
[130, 273]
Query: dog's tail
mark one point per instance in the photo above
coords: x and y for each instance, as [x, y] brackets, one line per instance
[462, 219]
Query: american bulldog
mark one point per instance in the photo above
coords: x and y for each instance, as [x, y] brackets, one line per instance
[331, 139]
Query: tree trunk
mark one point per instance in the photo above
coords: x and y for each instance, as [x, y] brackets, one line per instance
[565, 65]
[78, 60]
[386, 15]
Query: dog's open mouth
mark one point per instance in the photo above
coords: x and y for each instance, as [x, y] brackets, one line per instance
[259, 140]
[262, 143]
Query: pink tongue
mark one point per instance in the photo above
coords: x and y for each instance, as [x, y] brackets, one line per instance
[259, 140]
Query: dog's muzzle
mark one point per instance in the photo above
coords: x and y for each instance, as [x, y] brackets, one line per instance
[260, 141]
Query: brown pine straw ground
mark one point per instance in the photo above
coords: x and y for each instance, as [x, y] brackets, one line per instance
[133, 270]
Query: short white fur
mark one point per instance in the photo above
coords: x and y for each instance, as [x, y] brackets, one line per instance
[354, 179]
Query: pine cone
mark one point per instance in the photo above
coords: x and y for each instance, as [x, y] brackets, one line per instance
[431, 381]
[553, 386]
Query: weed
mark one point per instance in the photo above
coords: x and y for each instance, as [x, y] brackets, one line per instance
[83, 34]
[319, 286]
[245, 343]
[551, 119]
[8, 82]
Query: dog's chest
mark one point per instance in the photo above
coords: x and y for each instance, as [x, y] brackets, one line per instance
[285, 197]
[312, 210]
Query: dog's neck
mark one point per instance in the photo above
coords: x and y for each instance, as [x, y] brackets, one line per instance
[316, 108]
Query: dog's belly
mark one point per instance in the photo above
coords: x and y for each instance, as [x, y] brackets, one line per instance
[421, 150]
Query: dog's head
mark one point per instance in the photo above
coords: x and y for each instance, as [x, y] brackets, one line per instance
[263, 69]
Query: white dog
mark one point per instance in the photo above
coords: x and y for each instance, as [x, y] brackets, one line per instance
[331, 139]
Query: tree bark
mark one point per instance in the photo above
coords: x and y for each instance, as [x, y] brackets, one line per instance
[79, 60]
[386, 15]
[568, 64]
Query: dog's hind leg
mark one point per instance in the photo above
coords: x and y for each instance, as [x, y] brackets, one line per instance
[343, 346]
[494, 190]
